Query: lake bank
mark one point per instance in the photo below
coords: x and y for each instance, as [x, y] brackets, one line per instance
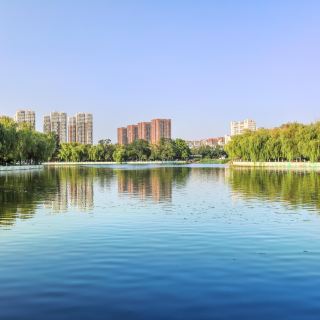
[212, 161]
[111, 163]
[20, 168]
[280, 165]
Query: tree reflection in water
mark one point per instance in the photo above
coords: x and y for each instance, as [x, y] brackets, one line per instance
[56, 188]
[59, 189]
[295, 188]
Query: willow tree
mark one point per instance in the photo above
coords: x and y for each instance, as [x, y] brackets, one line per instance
[290, 142]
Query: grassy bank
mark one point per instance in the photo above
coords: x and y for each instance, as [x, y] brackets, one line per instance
[213, 161]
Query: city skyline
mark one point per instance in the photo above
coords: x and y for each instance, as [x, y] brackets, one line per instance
[124, 64]
[39, 118]
[79, 128]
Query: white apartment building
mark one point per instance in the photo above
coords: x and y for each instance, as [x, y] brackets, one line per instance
[239, 127]
[46, 124]
[80, 128]
[57, 123]
[26, 116]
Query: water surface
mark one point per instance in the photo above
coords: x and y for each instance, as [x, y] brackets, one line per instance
[154, 242]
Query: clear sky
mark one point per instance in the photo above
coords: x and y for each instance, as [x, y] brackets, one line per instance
[201, 63]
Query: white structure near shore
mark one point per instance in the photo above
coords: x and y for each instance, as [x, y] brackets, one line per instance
[20, 168]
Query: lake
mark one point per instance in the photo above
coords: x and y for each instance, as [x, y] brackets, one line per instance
[159, 242]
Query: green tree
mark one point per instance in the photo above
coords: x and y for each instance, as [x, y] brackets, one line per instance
[139, 150]
[183, 151]
[120, 154]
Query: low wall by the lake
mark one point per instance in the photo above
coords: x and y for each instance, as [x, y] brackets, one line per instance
[110, 163]
[280, 165]
[20, 168]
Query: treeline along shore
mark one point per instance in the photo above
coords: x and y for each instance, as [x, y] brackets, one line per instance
[293, 142]
[139, 150]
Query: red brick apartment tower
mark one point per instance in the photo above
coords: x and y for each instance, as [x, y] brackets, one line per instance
[132, 133]
[122, 136]
[160, 128]
[144, 131]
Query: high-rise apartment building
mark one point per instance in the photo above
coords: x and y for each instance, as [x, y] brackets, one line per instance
[122, 136]
[144, 131]
[26, 116]
[89, 128]
[80, 128]
[150, 131]
[46, 124]
[57, 123]
[160, 128]
[239, 127]
[72, 129]
[132, 133]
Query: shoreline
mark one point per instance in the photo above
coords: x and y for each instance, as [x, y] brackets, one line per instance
[90, 163]
[21, 168]
[282, 165]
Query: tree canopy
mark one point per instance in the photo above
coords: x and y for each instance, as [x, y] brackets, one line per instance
[139, 150]
[20, 144]
[290, 142]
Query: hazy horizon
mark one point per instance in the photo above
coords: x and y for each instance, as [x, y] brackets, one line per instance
[202, 64]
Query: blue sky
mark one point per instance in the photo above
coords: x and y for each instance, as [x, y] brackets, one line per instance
[201, 63]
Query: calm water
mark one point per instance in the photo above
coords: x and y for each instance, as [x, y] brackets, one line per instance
[198, 242]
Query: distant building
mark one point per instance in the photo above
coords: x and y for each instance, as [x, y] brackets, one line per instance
[211, 142]
[72, 129]
[239, 127]
[80, 128]
[150, 131]
[194, 143]
[26, 116]
[46, 124]
[160, 128]
[89, 128]
[227, 138]
[84, 128]
[144, 131]
[122, 136]
[132, 133]
[56, 123]
[214, 142]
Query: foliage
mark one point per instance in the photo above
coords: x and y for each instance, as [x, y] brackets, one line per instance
[208, 152]
[139, 150]
[120, 154]
[20, 144]
[290, 142]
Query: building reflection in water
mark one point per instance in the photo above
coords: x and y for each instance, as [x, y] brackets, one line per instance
[151, 184]
[62, 189]
[74, 193]
[57, 189]
[75, 188]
